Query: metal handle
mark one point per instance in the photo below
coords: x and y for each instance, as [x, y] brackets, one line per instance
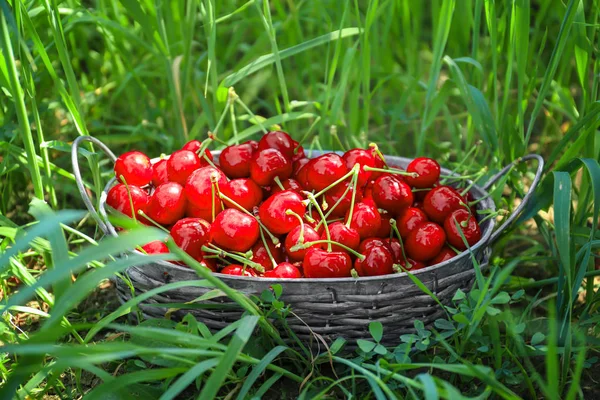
[517, 211]
[82, 191]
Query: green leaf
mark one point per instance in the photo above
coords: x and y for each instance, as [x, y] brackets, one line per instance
[492, 311]
[376, 330]
[188, 378]
[258, 370]
[501, 298]
[537, 338]
[461, 318]
[444, 324]
[429, 387]
[366, 345]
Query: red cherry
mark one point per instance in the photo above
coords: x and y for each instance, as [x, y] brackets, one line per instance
[340, 233]
[409, 219]
[367, 243]
[235, 160]
[310, 235]
[244, 192]
[192, 145]
[155, 247]
[425, 242]
[440, 202]
[378, 261]
[413, 265]
[335, 193]
[385, 229]
[272, 212]
[391, 194]
[195, 212]
[135, 167]
[269, 164]
[396, 248]
[284, 270]
[209, 263]
[299, 163]
[280, 141]
[199, 190]
[238, 270]
[118, 198]
[445, 254]
[471, 231]
[366, 219]
[190, 234]
[379, 163]
[301, 173]
[167, 203]
[368, 189]
[428, 170]
[254, 144]
[363, 158]
[288, 184]
[319, 263]
[260, 255]
[159, 173]
[325, 170]
[234, 230]
[299, 152]
[181, 164]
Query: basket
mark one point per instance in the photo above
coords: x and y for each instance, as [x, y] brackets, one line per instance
[330, 307]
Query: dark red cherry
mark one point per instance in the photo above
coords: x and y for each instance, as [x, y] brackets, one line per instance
[298, 152]
[244, 192]
[385, 229]
[167, 203]
[280, 141]
[288, 184]
[319, 263]
[412, 265]
[440, 202]
[333, 195]
[428, 171]
[409, 219]
[291, 240]
[445, 254]
[363, 158]
[234, 230]
[155, 247]
[135, 167]
[238, 270]
[191, 234]
[181, 164]
[261, 256]
[368, 189]
[272, 212]
[367, 243]
[199, 188]
[470, 229]
[325, 170]
[269, 164]
[301, 173]
[235, 160]
[396, 248]
[391, 194]
[366, 219]
[340, 233]
[207, 214]
[378, 261]
[425, 242]
[284, 270]
[118, 198]
[159, 173]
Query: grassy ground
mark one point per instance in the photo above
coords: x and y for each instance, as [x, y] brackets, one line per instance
[433, 78]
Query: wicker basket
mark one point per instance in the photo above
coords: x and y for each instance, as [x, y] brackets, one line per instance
[331, 307]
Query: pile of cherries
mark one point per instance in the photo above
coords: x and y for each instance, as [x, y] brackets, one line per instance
[265, 209]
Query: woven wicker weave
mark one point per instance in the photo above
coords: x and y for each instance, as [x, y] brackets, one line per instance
[328, 307]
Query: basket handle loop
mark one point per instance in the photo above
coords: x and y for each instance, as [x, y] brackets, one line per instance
[517, 211]
[76, 171]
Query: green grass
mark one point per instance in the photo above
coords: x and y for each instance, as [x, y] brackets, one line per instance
[419, 78]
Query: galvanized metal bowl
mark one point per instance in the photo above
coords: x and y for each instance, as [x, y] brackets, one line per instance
[331, 307]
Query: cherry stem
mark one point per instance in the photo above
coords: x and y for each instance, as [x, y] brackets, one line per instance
[329, 243]
[476, 178]
[351, 211]
[394, 226]
[312, 199]
[353, 171]
[209, 161]
[333, 132]
[245, 107]
[391, 171]
[299, 218]
[262, 237]
[129, 196]
[354, 274]
[491, 215]
[143, 214]
[337, 203]
[378, 152]
[205, 143]
[278, 182]
[233, 121]
[214, 137]
[222, 253]
[223, 114]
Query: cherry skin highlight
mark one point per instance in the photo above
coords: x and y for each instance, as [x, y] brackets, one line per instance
[428, 171]
[167, 203]
[268, 165]
[392, 194]
[135, 167]
[234, 160]
[440, 202]
[181, 164]
[425, 242]
[471, 231]
[325, 170]
[190, 234]
[319, 263]
[272, 212]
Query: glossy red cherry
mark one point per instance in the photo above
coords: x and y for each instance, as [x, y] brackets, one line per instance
[288, 184]
[333, 195]
[181, 164]
[155, 247]
[428, 171]
[260, 255]
[378, 261]
[269, 164]
[409, 219]
[272, 212]
[325, 170]
[412, 265]
[167, 203]
[440, 202]
[284, 270]
[425, 242]
[204, 213]
[118, 198]
[238, 270]
[235, 160]
[298, 152]
[363, 158]
[367, 243]
[301, 173]
[340, 233]
[366, 219]
[159, 173]
[445, 254]
[379, 163]
[396, 248]
[392, 194]
[199, 188]
[291, 240]
[299, 163]
[234, 230]
[190, 234]
[135, 167]
[470, 229]
[244, 192]
[319, 263]
[192, 145]
[385, 229]
[278, 140]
